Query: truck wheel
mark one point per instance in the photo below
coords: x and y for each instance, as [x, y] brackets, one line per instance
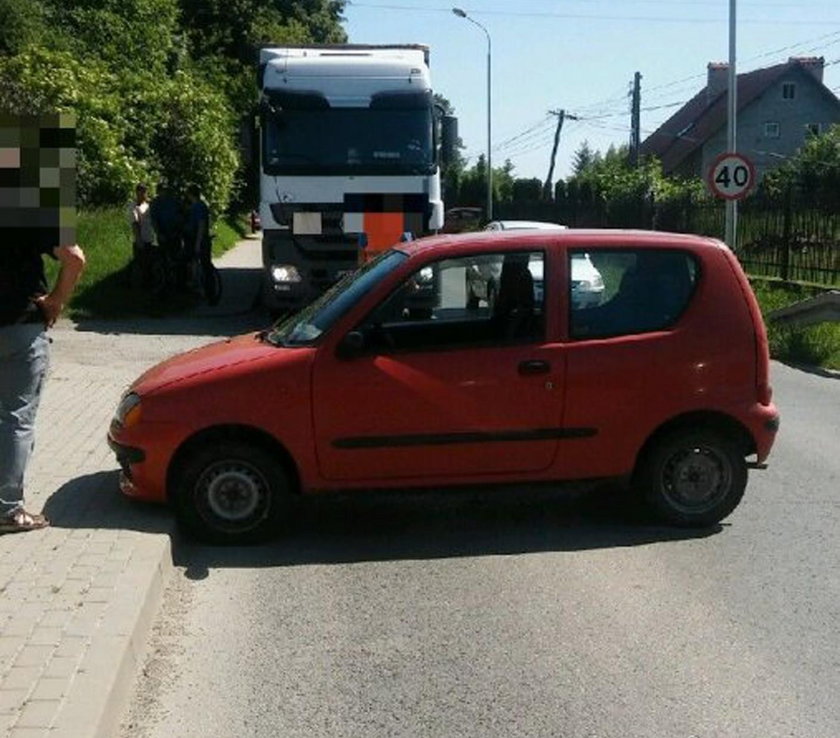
[693, 478]
[231, 492]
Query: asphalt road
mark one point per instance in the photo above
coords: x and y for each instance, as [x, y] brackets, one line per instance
[532, 614]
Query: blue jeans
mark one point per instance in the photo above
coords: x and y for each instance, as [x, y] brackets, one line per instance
[24, 358]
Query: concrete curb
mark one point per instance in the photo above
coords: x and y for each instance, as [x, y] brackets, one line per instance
[105, 679]
[78, 600]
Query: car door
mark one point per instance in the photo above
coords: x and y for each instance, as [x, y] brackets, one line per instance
[459, 394]
[631, 361]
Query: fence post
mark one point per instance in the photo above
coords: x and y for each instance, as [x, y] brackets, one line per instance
[786, 234]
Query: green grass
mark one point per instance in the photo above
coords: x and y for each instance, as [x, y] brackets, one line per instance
[103, 291]
[817, 345]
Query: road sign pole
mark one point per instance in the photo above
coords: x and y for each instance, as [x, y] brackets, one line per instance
[731, 130]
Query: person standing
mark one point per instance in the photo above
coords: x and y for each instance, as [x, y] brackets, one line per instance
[165, 213]
[142, 232]
[198, 244]
[27, 310]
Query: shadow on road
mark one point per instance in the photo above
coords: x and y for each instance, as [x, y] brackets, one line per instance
[95, 501]
[376, 526]
[238, 312]
[362, 526]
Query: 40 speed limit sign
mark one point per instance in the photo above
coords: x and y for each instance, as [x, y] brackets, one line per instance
[731, 176]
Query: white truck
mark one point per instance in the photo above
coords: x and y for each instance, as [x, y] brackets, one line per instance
[349, 161]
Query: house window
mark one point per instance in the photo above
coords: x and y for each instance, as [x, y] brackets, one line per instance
[771, 129]
[788, 91]
[813, 129]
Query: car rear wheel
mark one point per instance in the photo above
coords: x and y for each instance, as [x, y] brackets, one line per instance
[693, 478]
[231, 492]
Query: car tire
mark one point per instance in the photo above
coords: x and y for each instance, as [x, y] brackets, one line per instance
[231, 492]
[693, 477]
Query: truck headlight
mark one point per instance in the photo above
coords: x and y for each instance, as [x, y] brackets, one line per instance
[128, 411]
[285, 273]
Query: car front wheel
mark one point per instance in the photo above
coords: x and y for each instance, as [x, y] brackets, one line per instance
[231, 492]
[693, 478]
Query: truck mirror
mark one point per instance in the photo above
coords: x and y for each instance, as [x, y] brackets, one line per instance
[449, 139]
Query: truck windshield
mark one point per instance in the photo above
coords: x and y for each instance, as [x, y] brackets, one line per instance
[349, 141]
[305, 327]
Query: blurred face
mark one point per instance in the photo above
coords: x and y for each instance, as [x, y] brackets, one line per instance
[141, 194]
[38, 177]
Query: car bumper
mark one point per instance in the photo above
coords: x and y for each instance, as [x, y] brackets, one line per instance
[764, 421]
[142, 474]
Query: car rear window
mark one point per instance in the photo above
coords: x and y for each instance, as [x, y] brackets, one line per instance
[626, 291]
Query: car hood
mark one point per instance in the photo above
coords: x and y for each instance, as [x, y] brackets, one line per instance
[237, 351]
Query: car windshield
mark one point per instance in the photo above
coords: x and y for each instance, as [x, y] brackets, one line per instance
[305, 327]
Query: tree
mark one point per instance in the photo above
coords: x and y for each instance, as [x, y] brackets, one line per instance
[584, 159]
[21, 24]
[813, 173]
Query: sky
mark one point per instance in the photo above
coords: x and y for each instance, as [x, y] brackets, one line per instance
[581, 55]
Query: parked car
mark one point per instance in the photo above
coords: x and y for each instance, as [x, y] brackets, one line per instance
[483, 281]
[663, 385]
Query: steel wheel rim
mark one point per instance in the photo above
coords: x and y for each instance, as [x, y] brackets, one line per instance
[697, 478]
[233, 494]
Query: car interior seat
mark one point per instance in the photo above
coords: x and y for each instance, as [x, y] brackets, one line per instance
[514, 308]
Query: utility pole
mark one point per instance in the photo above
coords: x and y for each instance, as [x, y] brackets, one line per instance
[561, 116]
[635, 120]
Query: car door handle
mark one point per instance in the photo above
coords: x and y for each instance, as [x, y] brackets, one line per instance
[534, 366]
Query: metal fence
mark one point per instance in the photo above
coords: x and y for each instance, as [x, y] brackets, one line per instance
[792, 240]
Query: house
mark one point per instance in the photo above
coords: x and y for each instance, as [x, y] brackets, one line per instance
[778, 108]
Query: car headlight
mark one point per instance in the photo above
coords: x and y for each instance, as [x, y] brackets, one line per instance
[128, 411]
[285, 273]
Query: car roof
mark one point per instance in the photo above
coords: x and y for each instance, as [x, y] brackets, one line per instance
[520, 225]
[569, 237]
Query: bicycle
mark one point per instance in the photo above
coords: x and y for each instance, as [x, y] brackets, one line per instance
[205, 278]
[152, 269]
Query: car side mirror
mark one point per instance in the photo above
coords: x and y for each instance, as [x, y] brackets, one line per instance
[351, 345]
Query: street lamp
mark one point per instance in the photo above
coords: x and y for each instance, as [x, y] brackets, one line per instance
[462, 14]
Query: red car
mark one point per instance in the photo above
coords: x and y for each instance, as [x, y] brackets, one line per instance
[662, 383]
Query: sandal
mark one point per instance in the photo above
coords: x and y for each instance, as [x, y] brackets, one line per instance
[21, 521]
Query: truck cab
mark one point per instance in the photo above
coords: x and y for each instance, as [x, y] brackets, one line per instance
[349, 161]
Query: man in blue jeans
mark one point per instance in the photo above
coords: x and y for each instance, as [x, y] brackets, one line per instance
[27, 310]
[34, 222]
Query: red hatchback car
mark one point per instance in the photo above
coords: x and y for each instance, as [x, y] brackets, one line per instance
[662, 383]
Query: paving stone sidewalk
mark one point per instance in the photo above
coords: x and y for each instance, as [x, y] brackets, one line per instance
[77, 600]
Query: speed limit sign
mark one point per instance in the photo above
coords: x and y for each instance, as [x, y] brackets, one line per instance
[731, 176]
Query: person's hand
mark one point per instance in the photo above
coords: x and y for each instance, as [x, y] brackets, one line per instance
[50, 307]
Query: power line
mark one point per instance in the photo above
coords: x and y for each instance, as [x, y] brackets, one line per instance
[594, 17]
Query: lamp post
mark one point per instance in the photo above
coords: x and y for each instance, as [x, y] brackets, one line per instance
[462, 14]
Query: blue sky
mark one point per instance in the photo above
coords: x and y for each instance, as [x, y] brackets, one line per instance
[581, 55]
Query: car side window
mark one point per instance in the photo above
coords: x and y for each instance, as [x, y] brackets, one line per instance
[477, 300]
[624, 292]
